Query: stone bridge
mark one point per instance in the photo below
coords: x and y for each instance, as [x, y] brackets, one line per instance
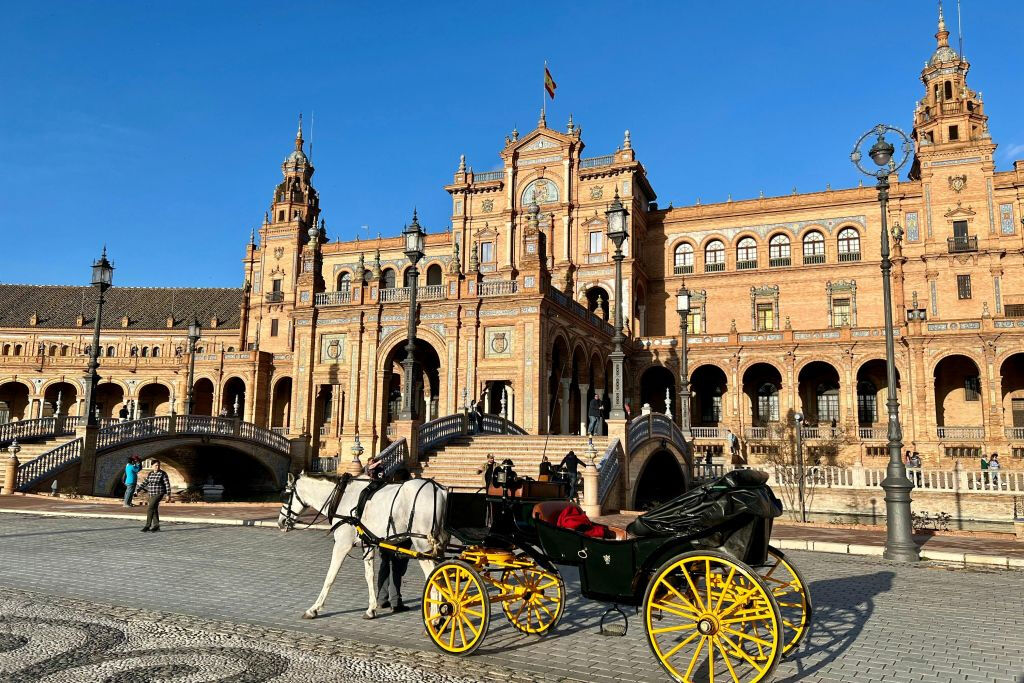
[99, 472]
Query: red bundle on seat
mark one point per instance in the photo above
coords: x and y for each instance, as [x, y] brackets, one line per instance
[574, 519]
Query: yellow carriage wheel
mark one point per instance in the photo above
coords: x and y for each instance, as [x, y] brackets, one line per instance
[792, 594]
[539, 599]
[709, 617]
[456, 608]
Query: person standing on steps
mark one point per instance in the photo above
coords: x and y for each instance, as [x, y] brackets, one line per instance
[131, 479]
[594, 414]
[570, 465]
[487, 470]
[157, 485]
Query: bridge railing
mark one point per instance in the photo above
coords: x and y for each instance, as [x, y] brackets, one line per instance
[609, 469]
[327, 464]
[133, 430]
[438, 432]
[37, 428]
[248, 430]
[394, 456]
[49, 464]
[496, 424]
[651, 426]
[149, 427]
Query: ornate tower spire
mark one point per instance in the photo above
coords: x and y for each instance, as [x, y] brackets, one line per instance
[298, 135]
[543, 122]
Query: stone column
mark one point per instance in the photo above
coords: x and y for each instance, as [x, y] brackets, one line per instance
[584, 412]
[591, 502]
[564, 401]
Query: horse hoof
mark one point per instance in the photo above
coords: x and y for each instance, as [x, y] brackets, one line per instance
[369, 615]
[309, 615]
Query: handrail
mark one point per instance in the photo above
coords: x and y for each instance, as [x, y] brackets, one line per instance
[597, 162]
[654, 425]
[435, 433]
[579, 311]
[38, 427]
[394, 457]
[326, 464]
[608, 470]
[148, 427]
[496, 424]
[49, 464]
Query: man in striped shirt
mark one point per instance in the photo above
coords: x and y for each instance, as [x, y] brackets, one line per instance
[157, 485]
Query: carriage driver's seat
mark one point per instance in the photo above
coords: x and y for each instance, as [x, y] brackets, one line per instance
[549, 510]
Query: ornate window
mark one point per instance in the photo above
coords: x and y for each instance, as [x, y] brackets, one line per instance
[714, 257]
[765, 317]
[814, 248]
[849, 245]
[487, 252]
[972, 388]
[746, 254]
[963, 286]
[696, 321]
[867, 403]
[683, 262]
[345, 282]
[596, 242]
[764, 308]
[842, 303]
[779, 251]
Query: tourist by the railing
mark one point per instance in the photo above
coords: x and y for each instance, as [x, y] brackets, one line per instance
[131, 478]
[594, 414]
[487, 470]
[915, 463]
[157, 485]
[709, 464]
[570, 466]
[374, 468]
[733, 443]
[984, 470]
[393, 566]
[123, 413]
[478, 418]
[223, 412]
[993, 469]
[545, 469]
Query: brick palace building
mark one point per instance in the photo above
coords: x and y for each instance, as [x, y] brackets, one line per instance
[516, 298]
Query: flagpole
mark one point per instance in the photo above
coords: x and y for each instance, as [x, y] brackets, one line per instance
[544, 91]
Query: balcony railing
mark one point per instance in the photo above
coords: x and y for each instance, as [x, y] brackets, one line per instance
[951, 107]
[275, 297]
[962, 243]
[682, 269]
[430, 292]
[814, 259]
[746, 265]
[596, 162]
[488, 176]
[961, 432]
[780, 262]
[333, 298]
[399, 294]
[873, 433]
[847, 256]
[705, 432]
[1015, 433]
[497, 287]
[714, 267]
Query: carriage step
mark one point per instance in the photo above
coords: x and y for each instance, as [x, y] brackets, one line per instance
[614, 629]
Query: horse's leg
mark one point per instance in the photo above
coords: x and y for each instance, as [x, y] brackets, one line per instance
[371, 583]
[344, 539]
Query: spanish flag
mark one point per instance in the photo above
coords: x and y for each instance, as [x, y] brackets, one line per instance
[549, 83]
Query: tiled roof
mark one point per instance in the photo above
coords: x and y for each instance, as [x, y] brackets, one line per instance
[147, 308]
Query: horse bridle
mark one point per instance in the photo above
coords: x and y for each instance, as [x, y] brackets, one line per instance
[291, 517]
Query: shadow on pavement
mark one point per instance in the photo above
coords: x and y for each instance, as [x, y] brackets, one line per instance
[841, 609]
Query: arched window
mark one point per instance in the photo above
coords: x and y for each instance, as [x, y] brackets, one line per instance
[867, 403]
[53, 350]
[145, 352]
[746, 254]
[345, 282]
[17, 349]
[433, 275]
[948, 90]
[407, 278]
[849, 245]
[779, 251]
[683, 259]
[156, 352]
[767, 403]
[231, 349]
[814, 248]
[111, 352]
[7, 349]
[714, 256]
[387, 278]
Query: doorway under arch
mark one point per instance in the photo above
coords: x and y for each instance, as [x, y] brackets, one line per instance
[202, 397]
[656, 383]
[13, 401]
[234, 391]
[280, 412]
[426, 380]
[660, 480]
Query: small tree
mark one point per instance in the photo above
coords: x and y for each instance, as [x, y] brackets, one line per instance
[796, 462]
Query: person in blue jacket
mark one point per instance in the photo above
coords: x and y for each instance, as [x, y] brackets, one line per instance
[131, 478]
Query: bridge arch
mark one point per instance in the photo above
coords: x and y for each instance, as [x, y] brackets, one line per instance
[659, 470]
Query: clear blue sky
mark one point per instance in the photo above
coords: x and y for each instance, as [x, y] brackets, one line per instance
[159, 128]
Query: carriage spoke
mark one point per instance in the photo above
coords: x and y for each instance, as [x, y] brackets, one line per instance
[462, 630]
[711, 657]
[677, 610]
[725, 587]
[693, 660]
[741, 634]
[476, 631]
[725, 657]
[737, 650]
[669, 629]
[707, 579]
[693, 588]
[678, 646]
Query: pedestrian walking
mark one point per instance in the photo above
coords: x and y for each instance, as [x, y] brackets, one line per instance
[984, 471]
[734, 445]
[131, 478]
[157, 485]
[594, 415]
[709, 464]
[570, 466]
[993, 469]
[487, 470]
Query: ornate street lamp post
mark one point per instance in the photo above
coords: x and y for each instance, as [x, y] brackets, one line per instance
[683, 307]
[194, 331]
[102, 279]
[413, 235]
[617, 232]
[799, 418]
[899, 542]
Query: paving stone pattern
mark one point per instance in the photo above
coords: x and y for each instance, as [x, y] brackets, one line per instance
[874, 621]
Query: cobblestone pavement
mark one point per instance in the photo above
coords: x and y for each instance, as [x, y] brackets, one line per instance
[874, 621]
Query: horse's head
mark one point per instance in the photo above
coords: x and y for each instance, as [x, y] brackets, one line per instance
[291, 503]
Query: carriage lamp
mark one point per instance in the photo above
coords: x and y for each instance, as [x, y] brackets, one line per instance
[413, 235]
[899, 543]
[683, 307]
[799, 417]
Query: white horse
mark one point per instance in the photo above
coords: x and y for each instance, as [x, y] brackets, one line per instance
[415, 507]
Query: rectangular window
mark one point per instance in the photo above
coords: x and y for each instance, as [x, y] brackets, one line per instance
[828, 408]
[1017, 408]
[765, 317]
[972, 388]
[954, 133]
[276, 286]
[960, 229]
[597, 242]
[840, 312]
[695, 321]
[711, 410]
[1014, 310]
[867, 409]
[487, 252]
[963, 286]
[273, 327]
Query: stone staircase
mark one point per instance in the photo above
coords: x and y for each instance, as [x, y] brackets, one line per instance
[456, 463]
[31, 451]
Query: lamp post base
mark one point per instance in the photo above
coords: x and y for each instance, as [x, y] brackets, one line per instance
[899, 542]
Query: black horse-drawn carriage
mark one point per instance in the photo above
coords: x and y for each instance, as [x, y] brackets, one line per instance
[718, 602]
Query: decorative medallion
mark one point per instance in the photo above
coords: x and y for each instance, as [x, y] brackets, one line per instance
[487, 205]
[596, 192]
[499, 341]
[957, 183]
[332, 347]
[278, 252]
[540, 191]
